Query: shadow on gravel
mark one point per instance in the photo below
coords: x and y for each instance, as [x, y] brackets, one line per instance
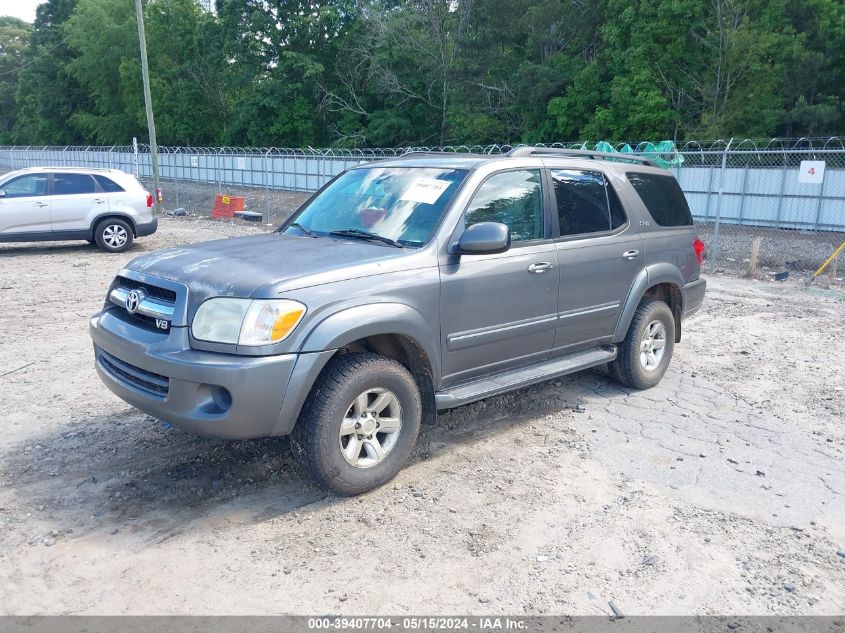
[52, 248]
[11, 249]
[127, 472]
[553, 399]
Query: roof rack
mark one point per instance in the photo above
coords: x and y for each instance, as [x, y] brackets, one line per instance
[527, 150]
[423, 152]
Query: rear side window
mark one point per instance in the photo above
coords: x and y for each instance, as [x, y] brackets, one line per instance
[107, 184]
[586, 203]
[663, 197]
[67, 184]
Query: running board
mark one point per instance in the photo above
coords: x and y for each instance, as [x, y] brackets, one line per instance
[523, 376]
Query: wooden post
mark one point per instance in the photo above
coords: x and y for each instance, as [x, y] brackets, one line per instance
[148, 103]
[755, 254]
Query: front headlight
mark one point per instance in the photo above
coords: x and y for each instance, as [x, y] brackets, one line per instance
[246, 321]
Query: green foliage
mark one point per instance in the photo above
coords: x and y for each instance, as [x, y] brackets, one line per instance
[424, 72]
[100, 30]
[47, 96]
[14, 40]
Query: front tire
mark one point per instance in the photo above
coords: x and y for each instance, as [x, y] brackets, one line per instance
[113, 235]
[644, 356]
[359, 423]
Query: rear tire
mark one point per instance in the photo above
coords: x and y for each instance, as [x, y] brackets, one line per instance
[644, 356]
[359, 424]
[113, 235]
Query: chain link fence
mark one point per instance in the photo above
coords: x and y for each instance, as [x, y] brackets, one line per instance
[777, 206]
[773, 206]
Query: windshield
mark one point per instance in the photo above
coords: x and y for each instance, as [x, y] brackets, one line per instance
[400, 204]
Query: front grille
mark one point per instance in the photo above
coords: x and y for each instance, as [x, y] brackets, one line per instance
[139, 320]
[154, 385]
[163, 299]
[155, 292]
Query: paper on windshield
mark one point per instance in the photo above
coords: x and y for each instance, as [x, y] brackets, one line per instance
[425, 190]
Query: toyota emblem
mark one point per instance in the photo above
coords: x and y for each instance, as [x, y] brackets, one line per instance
[133, 300]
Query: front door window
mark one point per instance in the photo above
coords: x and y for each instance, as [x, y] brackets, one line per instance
[26, 186]
[514, 198]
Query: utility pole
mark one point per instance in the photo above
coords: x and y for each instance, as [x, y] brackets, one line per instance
[148, 102]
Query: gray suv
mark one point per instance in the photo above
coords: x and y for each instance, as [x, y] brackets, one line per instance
[402, 288]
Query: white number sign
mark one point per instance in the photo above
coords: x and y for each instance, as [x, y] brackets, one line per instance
[812, 172]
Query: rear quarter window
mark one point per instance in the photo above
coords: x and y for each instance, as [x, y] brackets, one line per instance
[663, 197]
[108, 185]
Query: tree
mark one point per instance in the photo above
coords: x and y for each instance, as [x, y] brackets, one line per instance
[101, 30]
[520, 54]
[703, 68]
[278, 53]
[184, 75]
[14, 40]
[425, 72]
[403, 72]
[814, 59]
[47, 96]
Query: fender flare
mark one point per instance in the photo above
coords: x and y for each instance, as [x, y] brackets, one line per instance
[649, 276]
[344, 327]
[357, 322]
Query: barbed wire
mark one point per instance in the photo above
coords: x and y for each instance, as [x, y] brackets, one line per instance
[779, 145]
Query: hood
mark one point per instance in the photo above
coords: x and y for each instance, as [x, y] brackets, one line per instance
[262, 266]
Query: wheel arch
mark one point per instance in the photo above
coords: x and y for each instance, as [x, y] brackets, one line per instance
[409, 353]
[660, 281]
[395, 331]
[112, 216]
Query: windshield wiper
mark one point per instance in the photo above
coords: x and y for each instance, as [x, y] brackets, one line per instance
[304, 229]
[366, 235]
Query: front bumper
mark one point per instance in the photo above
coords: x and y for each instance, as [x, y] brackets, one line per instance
[211, 394]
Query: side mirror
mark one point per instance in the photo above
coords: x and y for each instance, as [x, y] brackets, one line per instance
[484, 238]
[2, 194]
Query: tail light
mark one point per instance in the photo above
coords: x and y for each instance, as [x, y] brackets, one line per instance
[700, 249]
[149, 201]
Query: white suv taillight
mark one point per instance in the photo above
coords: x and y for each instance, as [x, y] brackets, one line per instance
[149, 201]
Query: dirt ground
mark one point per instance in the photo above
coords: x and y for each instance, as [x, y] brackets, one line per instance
[719, 491]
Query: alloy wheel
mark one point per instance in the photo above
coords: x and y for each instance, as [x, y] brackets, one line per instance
[653, 346]
[370, 428]
[115, 235]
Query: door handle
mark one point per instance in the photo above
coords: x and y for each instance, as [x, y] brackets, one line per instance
[630, 254]
[98, 201]
[540, 267]
[41, 204]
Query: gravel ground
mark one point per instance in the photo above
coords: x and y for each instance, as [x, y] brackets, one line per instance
[798, 252]
[198, 199]
[719, 491]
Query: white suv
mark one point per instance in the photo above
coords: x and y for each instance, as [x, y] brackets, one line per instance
[104, 206]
